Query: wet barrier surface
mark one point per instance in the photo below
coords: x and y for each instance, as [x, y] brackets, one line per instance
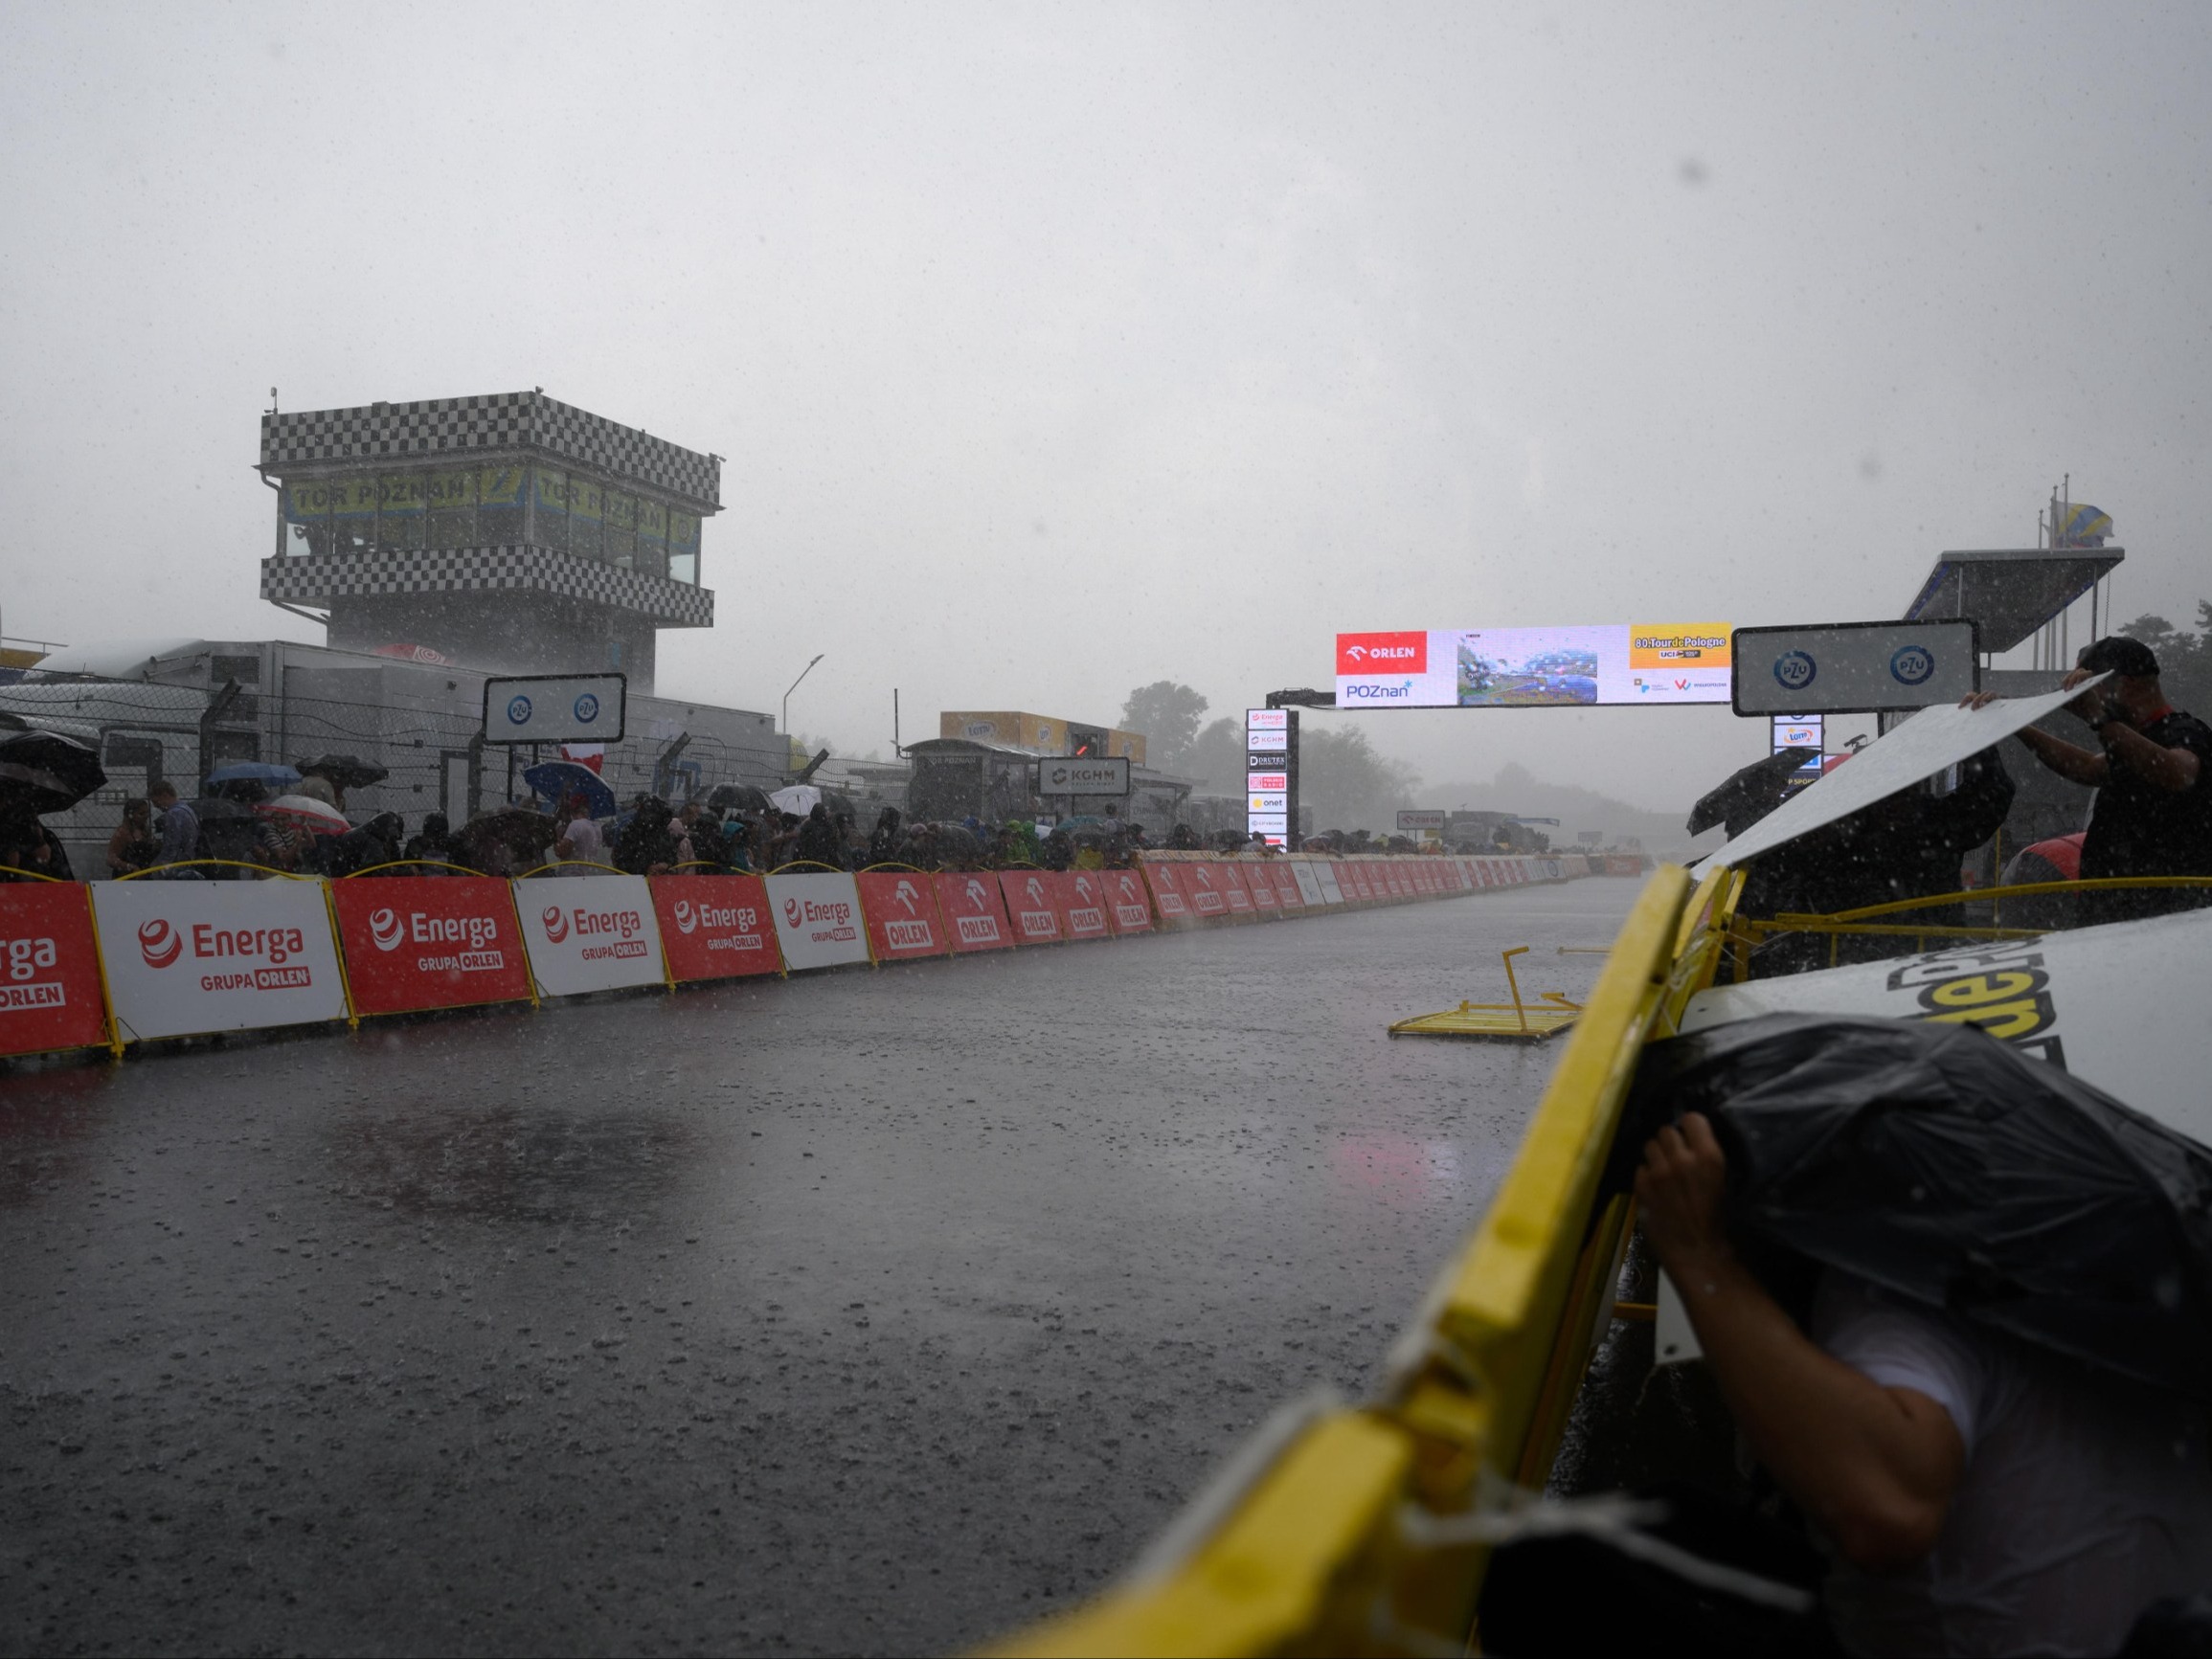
[875, 1312]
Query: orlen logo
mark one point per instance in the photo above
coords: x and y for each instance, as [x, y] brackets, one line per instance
[978, 896]
[557, 924]
[687, 921]
[1400, 653]
[906, 895]
[159, 943]
[384, 929]
[1036, 891]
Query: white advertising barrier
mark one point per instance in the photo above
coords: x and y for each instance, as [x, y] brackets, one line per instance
[184, 957]
[818, 919]
[1899, 758]
[1325, 875]
[1309, 884]
[2111, 1004]
[589, 934]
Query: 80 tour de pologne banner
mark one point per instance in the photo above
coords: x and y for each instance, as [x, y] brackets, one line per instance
[48, 970]
[714, 927]
[417, 942]
[589, 934]
[184, 957]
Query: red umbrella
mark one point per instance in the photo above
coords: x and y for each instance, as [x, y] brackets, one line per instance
[309, 813]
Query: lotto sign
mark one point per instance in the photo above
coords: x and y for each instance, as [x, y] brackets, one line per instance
[970, 903]
[49, 970]
[589, 934]
[417, 942]
[1083, 899]
[901, 910]
[714, 927]
[1029, 902]
[818, 921]
[184, 957]
[1125, 901]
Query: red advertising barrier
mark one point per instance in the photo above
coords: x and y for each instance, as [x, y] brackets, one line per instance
[415, 943]
[1352, 878]
[1081, 897]
[900, 908]
[1286, 885]
[1236, 888]
[1206, 887]
[1127, 906]
[974, 916]
[1029, 903]
[50, 994]
[715, 927]
[1169, 895]
[1261, 881]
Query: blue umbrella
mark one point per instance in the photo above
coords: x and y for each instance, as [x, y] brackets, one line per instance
[556, 780]
[280, 777]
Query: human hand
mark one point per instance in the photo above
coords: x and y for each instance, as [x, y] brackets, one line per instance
[1978, 700]
[1678, 1192]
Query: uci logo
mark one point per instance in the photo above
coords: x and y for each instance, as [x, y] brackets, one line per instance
[159, 943]
[384, 929]
[556, 925]
[791, 912]
[686, 919]
[1794, 670]
[1913, 664]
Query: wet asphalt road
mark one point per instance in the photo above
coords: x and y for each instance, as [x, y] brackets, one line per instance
[875, 1312]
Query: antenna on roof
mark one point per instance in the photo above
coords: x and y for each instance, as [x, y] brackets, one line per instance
[272, 400]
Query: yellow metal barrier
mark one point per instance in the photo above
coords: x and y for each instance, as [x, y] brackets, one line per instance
[1332, 1546]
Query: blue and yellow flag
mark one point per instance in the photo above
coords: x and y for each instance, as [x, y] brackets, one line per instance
[2082, 525]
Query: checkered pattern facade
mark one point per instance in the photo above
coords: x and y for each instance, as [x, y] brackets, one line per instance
[441, 428]
[319, 579]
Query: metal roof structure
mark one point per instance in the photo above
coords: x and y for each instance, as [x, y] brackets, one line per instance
[2010, 592]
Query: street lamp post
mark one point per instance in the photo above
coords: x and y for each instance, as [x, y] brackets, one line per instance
[803, 674]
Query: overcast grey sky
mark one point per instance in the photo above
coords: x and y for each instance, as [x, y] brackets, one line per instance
[1055, 349]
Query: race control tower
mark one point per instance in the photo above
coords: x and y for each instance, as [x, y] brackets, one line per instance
[510, 532]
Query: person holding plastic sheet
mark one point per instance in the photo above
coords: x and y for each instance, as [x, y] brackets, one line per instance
[2152, 769]
[1979, 1495]
[818, 841]
[1907, 847]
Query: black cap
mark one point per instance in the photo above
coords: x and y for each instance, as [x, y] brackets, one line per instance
[2120, 655]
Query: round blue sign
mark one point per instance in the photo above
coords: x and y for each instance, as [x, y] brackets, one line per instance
[1913, 664]
[518, 711]
[587, 708]
[1794, 670]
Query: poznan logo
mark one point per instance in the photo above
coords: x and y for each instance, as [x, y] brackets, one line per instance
[385, 930]
[685, 920]
[557, 924]
[159, 943]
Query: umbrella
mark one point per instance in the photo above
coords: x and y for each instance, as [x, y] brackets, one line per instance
[47, 772]
[1748, 795]
[798, 798]
[267, 774]
[1931, 1159]
[522, 833]
[557, 780]
[345, 771]
[309, 813]
[738, 797]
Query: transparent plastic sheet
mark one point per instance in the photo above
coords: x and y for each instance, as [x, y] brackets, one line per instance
[1929, 1158]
